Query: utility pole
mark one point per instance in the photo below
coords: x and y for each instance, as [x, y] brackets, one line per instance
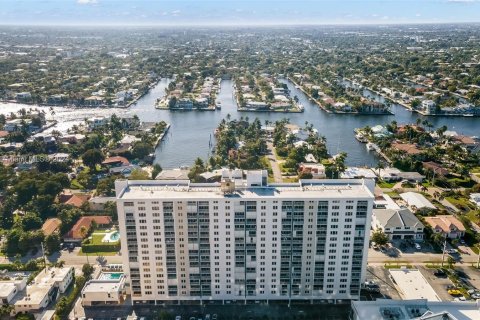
[44, 257]
[444, 249]
[478, 261]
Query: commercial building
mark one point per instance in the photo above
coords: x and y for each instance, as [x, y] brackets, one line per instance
[411, 284]
[398, 224]
[244, 240]
[419, 309]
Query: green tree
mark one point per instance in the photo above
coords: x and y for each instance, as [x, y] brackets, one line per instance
[156, 170]
[141, 149]
[92, 157]
[52, 243]
[139, 174]
[31, 221]
[87, 270]
[379, 237]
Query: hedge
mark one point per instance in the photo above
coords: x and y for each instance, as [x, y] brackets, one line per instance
[92, 248]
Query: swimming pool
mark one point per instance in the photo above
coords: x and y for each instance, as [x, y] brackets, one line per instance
[110, 275]
[113, 236]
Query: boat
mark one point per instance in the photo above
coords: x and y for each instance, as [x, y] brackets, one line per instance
[300, 107]
[468, 115]
[218, 105]
[360, 137]
[297, 87]
[370, 146]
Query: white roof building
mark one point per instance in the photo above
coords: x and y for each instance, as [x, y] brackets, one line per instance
[357, 173]
[9, 288]
[413, 285]
[44, 289]
[104, 291]
[416, 200]
[419, 309]
[475, 199]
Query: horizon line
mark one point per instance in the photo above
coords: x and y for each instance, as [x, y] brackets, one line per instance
[273, 24]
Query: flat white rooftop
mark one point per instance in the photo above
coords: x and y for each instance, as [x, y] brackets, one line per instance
[413, 285]
[415, 309]
[104, 286]
[41, 285]
[183, 189]
[6, 288]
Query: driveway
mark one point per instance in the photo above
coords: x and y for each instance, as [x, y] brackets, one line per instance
[277, 174]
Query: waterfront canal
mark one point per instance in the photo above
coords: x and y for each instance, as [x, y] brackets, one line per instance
[191, 131]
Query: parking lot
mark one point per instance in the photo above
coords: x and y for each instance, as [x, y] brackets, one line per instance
[380, 276]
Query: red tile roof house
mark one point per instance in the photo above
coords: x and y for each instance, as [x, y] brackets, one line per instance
[75, 234]
[51, 226]
[116, 161]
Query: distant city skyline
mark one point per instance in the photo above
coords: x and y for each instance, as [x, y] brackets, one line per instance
[229, 12]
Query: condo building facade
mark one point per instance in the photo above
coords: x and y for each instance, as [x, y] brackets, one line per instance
[243, 240]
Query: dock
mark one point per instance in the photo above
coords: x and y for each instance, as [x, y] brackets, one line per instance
[160, 138]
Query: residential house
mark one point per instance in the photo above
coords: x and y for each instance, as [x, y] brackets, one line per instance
[475, 199]
[317, 170]
[447, 225]
[398, 224]
[428, 106]
[75, 234]
[436, 168]
[50, 226]
[416, 201]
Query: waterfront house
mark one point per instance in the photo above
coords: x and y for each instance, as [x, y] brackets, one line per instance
[116, 161]
[96, 122]
[428, 106]
[315, 169]
[407, 148]
[447, 225]
[398, 224]
[23, 96]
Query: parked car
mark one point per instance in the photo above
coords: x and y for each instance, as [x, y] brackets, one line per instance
[439, 273]
[178, 318]
[214, 316]
[207, 317]
[417, 246]
[454, 292]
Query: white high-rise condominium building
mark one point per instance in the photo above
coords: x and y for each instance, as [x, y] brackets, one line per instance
[242, 240]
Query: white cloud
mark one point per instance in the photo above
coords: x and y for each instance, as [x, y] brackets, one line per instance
[87, 1]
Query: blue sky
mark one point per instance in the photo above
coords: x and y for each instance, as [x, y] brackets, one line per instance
[230, 12]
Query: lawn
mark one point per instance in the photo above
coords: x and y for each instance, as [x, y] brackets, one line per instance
[386, 185]
[94, 244]
[461, 203]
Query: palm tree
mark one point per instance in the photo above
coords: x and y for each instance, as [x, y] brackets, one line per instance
[379, 166]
